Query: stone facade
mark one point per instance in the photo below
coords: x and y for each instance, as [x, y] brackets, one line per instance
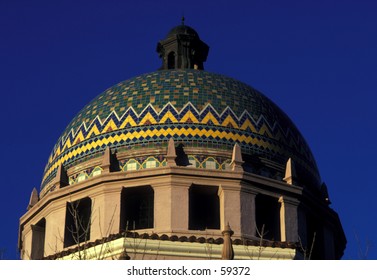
[236, 192]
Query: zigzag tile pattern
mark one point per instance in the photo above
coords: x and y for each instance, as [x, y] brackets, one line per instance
[188, 105]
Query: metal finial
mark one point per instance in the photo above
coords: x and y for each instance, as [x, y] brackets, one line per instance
[183, 20]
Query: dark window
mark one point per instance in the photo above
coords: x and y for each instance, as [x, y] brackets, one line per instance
[77, 222]
[315, 242]
[171, 60]
[267, 214]
[38, 240]
[137, 208]
[204, 208]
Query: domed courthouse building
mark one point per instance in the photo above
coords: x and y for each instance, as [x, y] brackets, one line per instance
[181, 163]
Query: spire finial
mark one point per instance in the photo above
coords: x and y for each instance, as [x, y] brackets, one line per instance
[227, 252]
[183, 20]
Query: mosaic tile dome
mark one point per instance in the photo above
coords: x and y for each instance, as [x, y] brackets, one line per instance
[198, 109]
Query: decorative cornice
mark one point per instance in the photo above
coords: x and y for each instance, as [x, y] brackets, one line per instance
[171, 238]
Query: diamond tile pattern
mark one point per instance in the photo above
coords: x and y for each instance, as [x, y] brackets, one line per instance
[198, 108]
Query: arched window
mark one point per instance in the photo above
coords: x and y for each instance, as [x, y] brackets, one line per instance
[171, 60]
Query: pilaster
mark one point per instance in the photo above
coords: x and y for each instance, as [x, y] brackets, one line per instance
[288, 219]
[171, 207]
[230, 208]
[248, 218]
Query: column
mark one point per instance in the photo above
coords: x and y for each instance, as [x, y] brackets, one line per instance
[288, 219]
[105, 217]
[55, 226]
[230, 208]
[248, 219]
[171, 207]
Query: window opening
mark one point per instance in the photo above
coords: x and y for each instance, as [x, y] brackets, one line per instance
[38, 240]
[314, 249]
[171, 60]
[204, 208]
[267, 214]
[137, 207]
[77, 222]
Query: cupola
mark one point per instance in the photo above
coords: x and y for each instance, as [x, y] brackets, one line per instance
[182, 49]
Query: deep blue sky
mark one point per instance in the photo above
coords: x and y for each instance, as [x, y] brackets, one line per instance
[316, 59]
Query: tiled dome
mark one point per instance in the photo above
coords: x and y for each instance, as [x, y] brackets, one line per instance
[198, 109]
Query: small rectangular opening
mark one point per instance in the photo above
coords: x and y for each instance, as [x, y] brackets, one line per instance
[204, 208]
[315, 239]
[38, 240]
[267, 213]
[77, 222]
[137, 207]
